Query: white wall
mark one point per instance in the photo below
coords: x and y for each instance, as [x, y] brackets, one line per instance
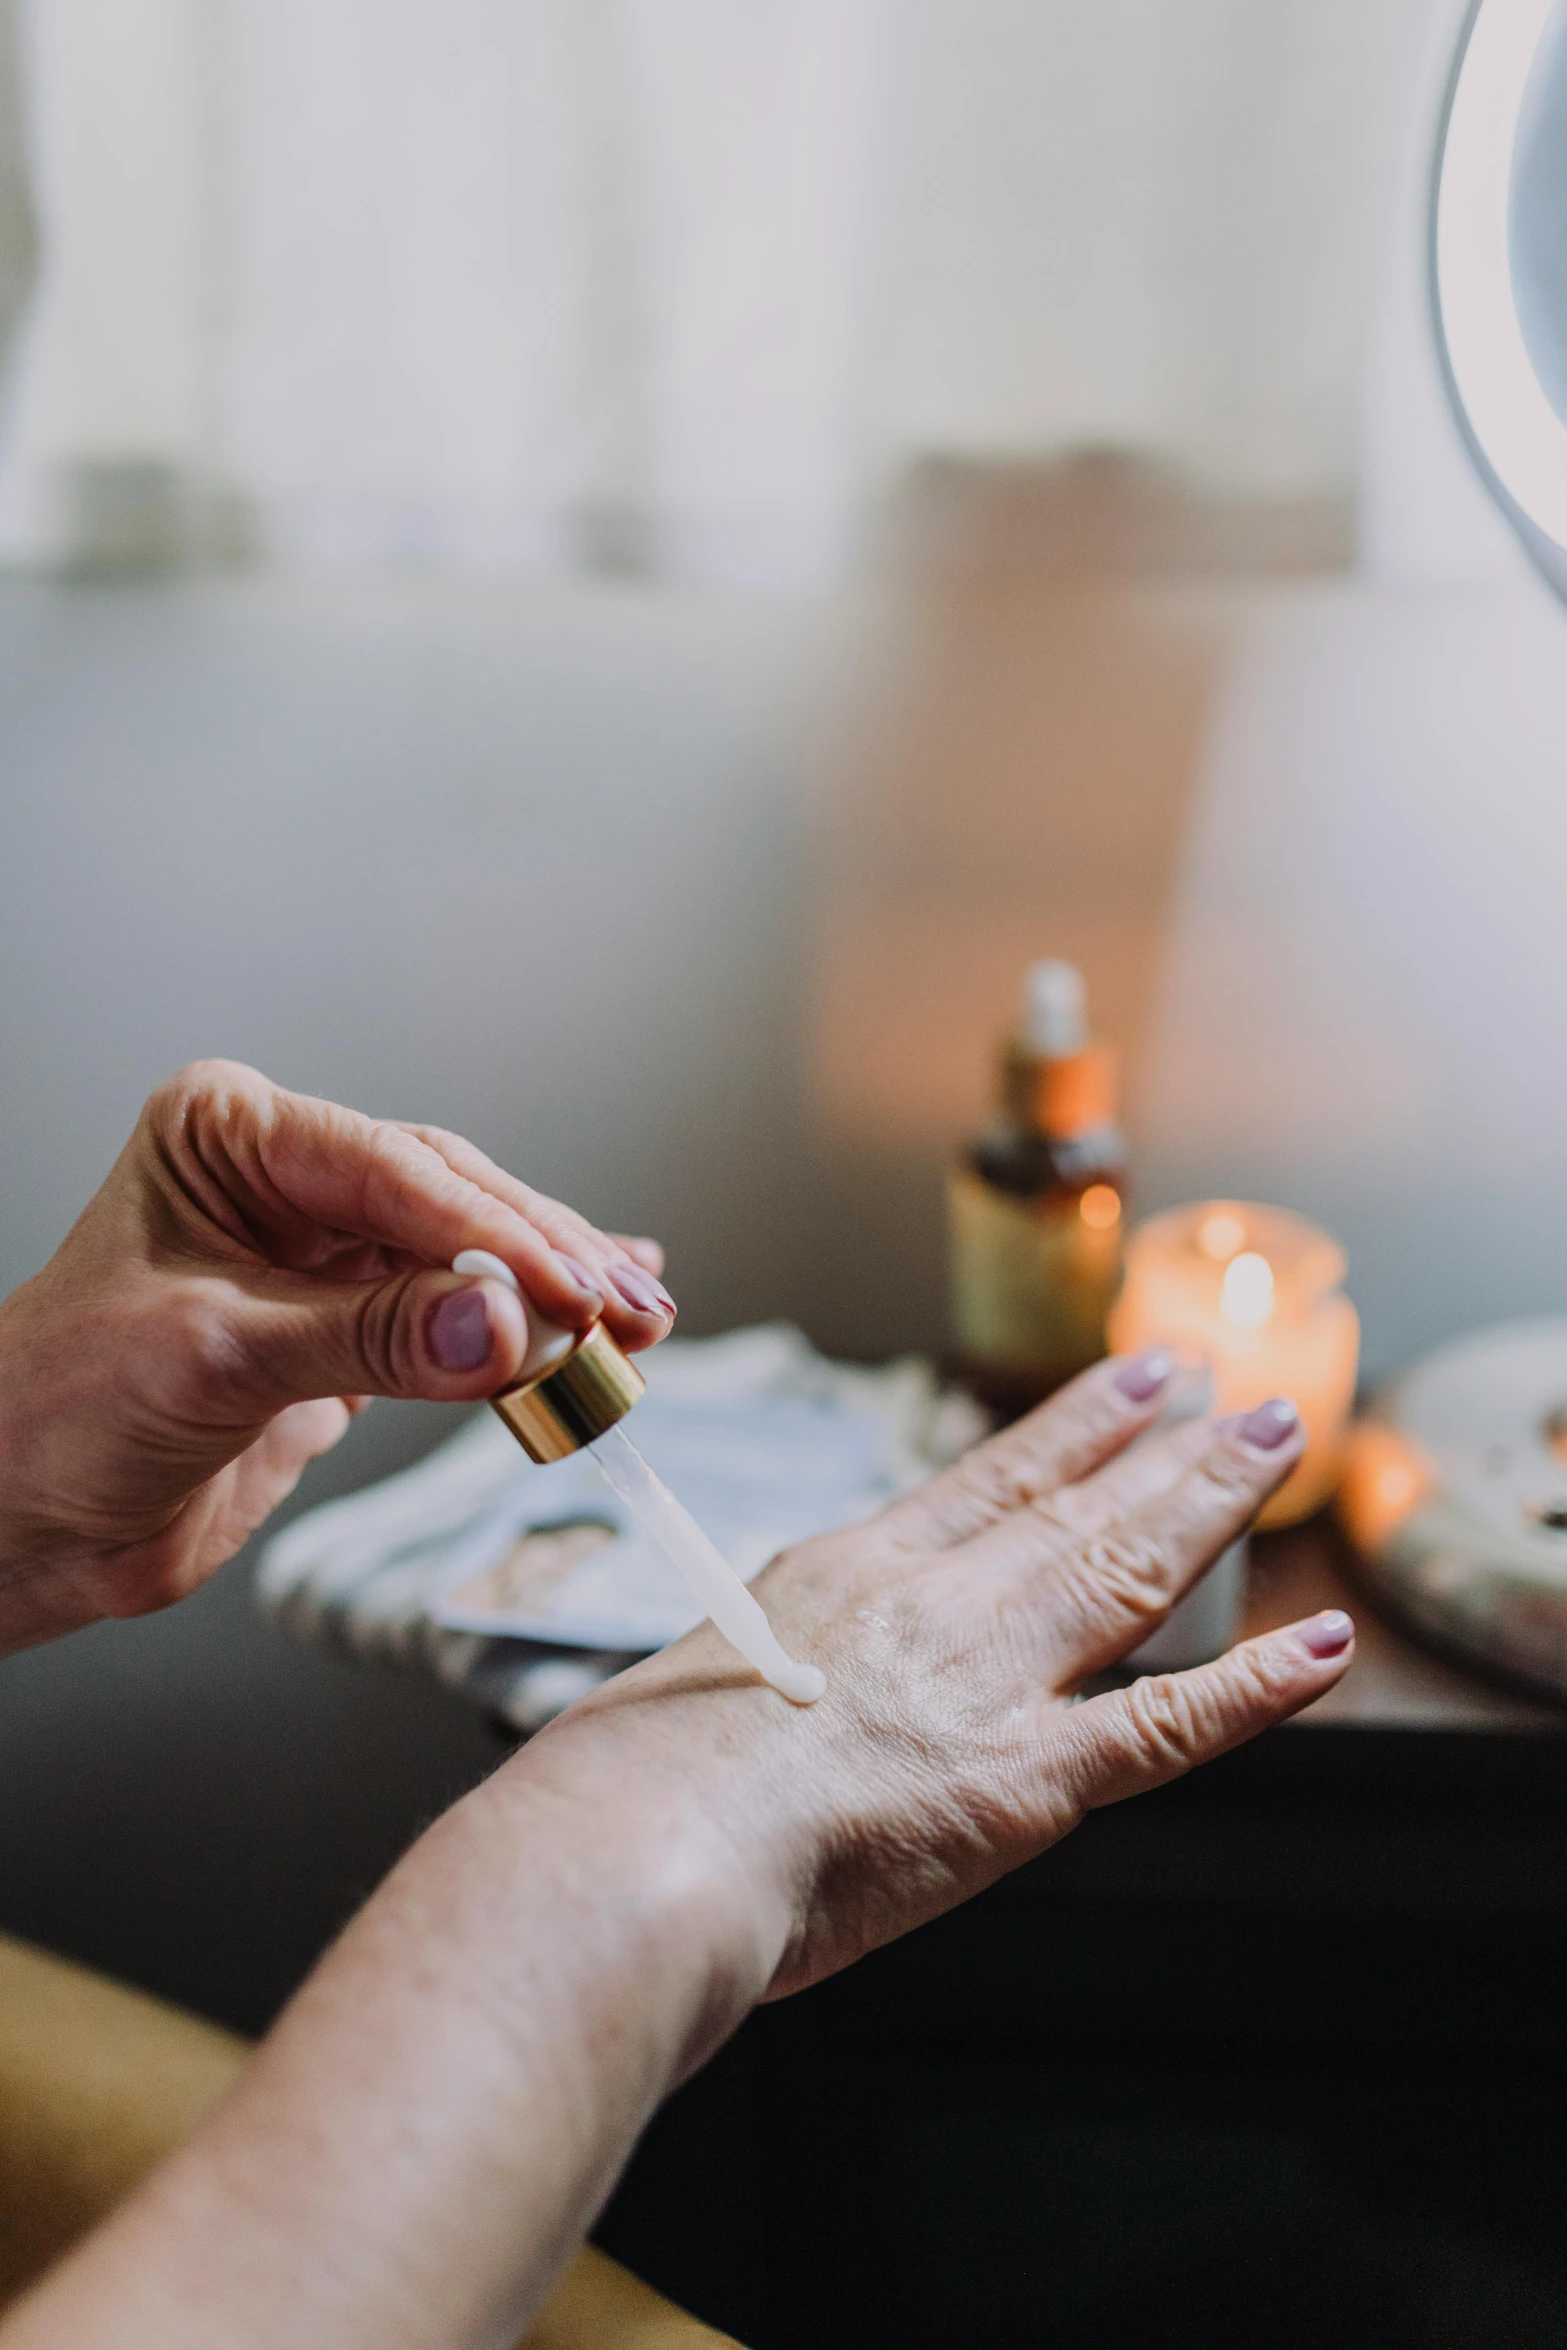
[524, 865]
[445, 282]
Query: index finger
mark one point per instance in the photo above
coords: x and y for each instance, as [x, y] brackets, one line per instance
[301, 1173]
[637, 1310]
[1062, 1440]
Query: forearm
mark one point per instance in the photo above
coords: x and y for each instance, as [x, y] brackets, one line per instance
[422, 2143]
[426, 2136]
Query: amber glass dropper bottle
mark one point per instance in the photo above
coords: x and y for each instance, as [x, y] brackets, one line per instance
[1035, 1207]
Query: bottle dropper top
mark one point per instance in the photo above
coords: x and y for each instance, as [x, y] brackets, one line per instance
[1055, 1010]
[572, 1391]
[573, 1385]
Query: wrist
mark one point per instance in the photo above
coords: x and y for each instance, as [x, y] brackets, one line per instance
[675, 1791]
[723, 1792]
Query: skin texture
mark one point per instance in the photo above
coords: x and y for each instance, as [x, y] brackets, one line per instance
[428, 2133]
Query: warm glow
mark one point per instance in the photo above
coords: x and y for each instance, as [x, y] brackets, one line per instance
[1268, 1318]
[1247, 1296]
[1221, 1235]
[1385, 1478]
[1397, 1488]
[1100, 1207]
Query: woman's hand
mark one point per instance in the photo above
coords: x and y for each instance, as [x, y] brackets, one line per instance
[578, 1933]
[955, 1631]
[257, 1263]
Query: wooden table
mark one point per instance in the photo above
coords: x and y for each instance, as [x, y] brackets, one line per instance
[1275, 2057]
[1392, 1684]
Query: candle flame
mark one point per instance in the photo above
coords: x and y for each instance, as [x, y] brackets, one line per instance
[1221, 1235]
[1246, 1298]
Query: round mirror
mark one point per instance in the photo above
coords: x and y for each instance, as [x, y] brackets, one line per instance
[1499, 262]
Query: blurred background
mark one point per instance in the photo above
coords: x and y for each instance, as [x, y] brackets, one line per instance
[605, 573]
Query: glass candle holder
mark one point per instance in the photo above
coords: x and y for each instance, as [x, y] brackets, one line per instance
[1254, 1293]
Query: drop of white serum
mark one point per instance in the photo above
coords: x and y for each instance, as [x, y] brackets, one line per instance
[724, 1598]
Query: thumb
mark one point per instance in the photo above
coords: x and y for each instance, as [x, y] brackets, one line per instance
[432, 1335]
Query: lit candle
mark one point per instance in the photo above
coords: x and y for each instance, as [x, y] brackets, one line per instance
[1254, 1293]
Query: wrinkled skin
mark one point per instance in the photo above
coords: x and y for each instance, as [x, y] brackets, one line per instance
[956, 1630]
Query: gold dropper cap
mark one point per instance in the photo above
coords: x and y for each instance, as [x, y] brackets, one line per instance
[558, 1410]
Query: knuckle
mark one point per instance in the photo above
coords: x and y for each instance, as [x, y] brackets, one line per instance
[1066, 1511]
[203, 1109]
[386, 1139]
[378, 1330]
[1126, 1572]
[1165, 1724]
[200, 1082]
[1257, 1678]
[407, 1161]
[998, 1478]
[436, 1138]
[388, 1336]
[201, 1353]
[1231, 1480]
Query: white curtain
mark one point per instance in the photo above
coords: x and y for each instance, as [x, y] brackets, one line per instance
[18, 237]
[1146, 223]
[518, 285]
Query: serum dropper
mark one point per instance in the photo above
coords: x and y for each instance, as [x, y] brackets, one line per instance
[571, 1394]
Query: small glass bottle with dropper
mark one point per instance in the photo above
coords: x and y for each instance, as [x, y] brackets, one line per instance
[1035, 1207]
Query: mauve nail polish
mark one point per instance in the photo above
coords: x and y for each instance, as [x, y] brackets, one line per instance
[589, 1283]
[639, 1289]
[1141, 1378]
[1270, 1424]
[1328, 1634]
[460, 1330]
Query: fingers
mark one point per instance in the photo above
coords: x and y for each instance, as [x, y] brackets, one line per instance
[306, 1183]
[1130, 1740]
[1060, 1442]
[649, 1254]
[1029, 1537]
[293, 1179]
[1103, 1591]
[269, 1470]
[432, 1335]
[636, 1305]
[222, 1513]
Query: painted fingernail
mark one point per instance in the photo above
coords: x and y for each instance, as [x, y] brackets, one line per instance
[639, 1289]
[1269, 1425]
[460, 1330]
[1326, 1635]
[588, 1282]
[1141, 1376]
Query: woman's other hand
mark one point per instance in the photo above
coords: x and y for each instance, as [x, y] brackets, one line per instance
[579, 1932]
[956, 1631]
[257, 1263]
